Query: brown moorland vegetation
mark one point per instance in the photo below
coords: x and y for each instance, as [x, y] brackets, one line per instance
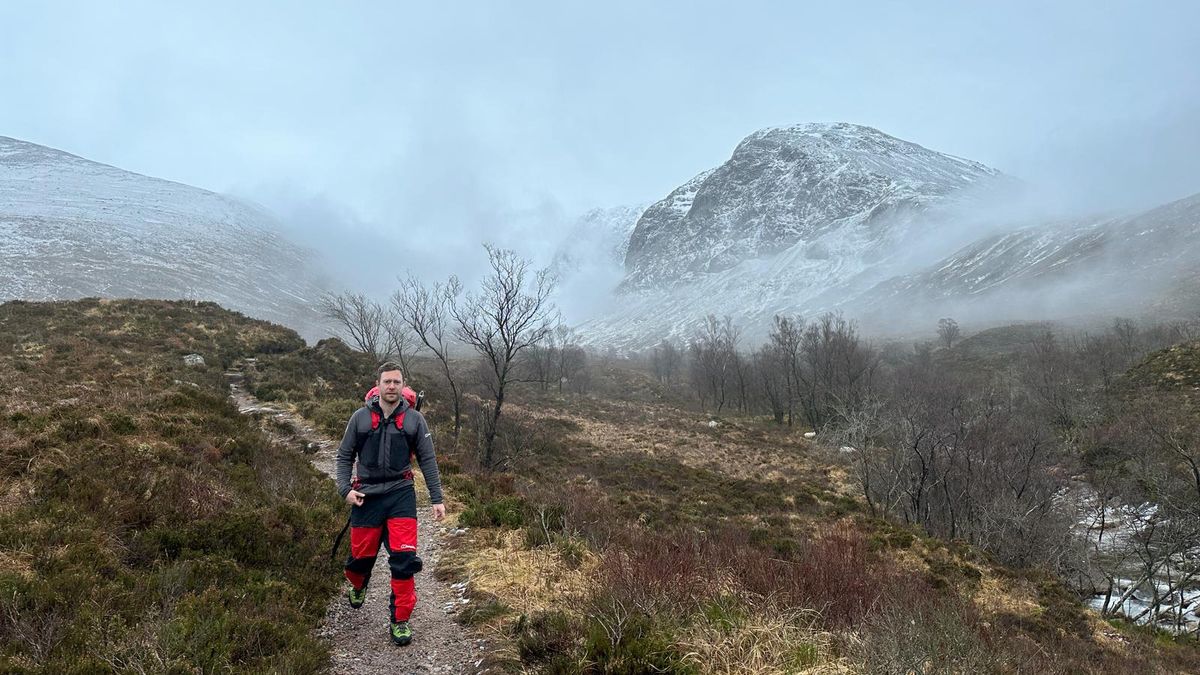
[146, 525]
[633, 533]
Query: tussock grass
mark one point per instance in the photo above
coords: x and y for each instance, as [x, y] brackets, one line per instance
[732, 637]
[498, 563]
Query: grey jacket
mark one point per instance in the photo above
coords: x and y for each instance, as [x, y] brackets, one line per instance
[384, 453]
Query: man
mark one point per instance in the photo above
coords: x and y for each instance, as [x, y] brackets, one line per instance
[384, 436]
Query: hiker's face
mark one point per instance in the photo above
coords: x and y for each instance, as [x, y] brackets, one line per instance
[390, 384]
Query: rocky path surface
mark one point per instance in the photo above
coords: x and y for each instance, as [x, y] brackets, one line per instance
[359, 640]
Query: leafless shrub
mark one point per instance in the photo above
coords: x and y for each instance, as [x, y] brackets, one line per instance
[39, 626]
[660, 574]
[834, 573]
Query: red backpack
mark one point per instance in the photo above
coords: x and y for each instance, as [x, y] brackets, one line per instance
[408, 394]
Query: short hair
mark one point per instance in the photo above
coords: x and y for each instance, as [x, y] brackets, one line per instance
[387, 366]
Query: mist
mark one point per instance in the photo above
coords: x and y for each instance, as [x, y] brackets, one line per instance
[397, 140]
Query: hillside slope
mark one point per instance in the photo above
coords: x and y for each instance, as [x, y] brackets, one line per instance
[1144, 263]
[146, 525]
[72, 228]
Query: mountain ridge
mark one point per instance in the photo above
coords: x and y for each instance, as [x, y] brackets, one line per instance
[796, 213]
[73, 227]
[785, 185]
[810, 218]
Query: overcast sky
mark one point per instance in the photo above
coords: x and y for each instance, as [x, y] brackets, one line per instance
[444, 126]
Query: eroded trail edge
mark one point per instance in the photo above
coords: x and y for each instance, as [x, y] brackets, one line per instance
[358, 638]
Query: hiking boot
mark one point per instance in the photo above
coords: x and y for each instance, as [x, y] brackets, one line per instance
[401, 633]
[357, 597]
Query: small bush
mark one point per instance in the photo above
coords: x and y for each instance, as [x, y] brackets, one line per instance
[834, 572]
[547, 637]
[483, 608]
[621, 640]
[508, 512]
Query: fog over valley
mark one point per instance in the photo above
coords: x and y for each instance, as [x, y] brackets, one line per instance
[390, 157]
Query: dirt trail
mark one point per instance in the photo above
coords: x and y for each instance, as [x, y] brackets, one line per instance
[358, 638]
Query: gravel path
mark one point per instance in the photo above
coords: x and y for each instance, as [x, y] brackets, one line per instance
[359, 640]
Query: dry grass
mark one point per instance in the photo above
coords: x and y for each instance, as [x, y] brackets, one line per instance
[17, 562]
[770, 641]
[498, 563]
[15, 493]
[665, 432]
[1005, 595]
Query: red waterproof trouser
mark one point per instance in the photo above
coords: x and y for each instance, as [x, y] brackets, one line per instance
[398, 533]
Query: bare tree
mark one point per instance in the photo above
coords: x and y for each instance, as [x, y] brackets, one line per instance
[402, 342]
[836, 368]
[510, 313]
[785, 337]
[713, 351]
[1052, 375]
[743, 379]
[948, 331]
[1128, 338]
[767, 366]
[541, 361]
[666, 360]
[1148, 479]
[571, 358]
[361, 321]
[571, 367]
[557, 361]
[427, 313]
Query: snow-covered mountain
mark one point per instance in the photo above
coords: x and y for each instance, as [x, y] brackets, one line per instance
[71, 227]
[589, 261]
[1148, 263]
[786, 186]
[797, 220]
[598, 237]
